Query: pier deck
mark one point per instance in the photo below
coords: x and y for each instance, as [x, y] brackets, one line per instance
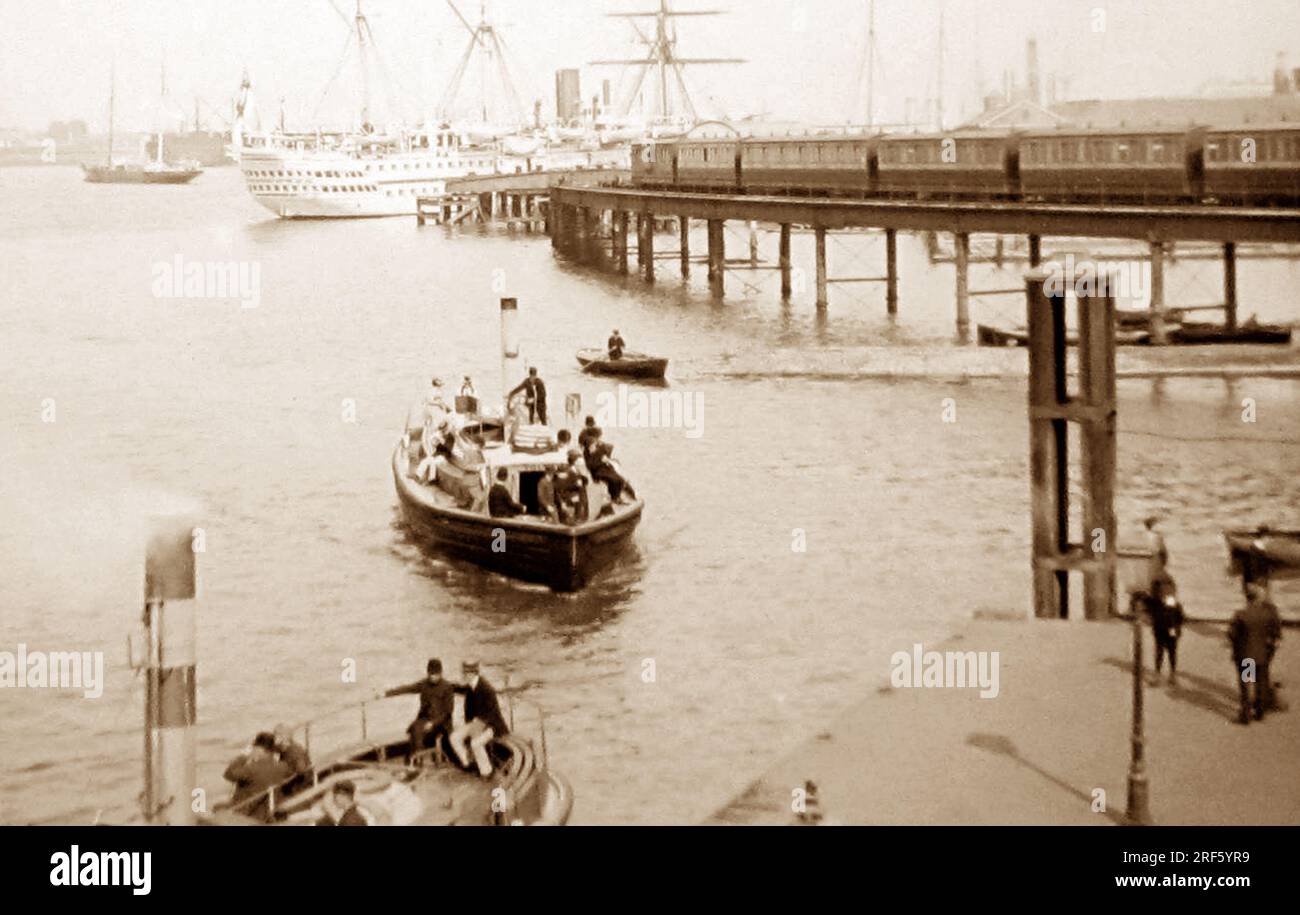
[1058, 730]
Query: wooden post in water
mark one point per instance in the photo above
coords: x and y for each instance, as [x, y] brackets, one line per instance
[684, 244]
[822, 298]
[891, 271]
[753, 243]
[1035, 250]
[620, 241]
[1159, 332]
[648, 262]
[1230, 285]
[593, 252]
[783, 258]
[1049, 492]
[962, 244]
[640, 241]
[554, 225]
[1096, 415]
[717, 258]
[1051, 409]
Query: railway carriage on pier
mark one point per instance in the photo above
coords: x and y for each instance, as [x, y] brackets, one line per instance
[1253, 165]
[1156, 165]
[977, 165]
[1257, 166]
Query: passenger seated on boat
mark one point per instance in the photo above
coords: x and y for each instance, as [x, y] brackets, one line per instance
[501, 504]
[255, 772]
[571, 492]
[341, 807]
[293, 755]
[483, 720]
[603, 470]
[590, 432]
[616, 345]
[546, 495]
[437, 700]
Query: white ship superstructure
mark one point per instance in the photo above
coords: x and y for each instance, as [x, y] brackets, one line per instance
[322, 175]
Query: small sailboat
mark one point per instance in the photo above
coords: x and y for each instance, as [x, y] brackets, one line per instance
[156, 171]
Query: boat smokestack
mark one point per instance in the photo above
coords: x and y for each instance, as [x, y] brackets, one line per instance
[509, 344]
[170, 684]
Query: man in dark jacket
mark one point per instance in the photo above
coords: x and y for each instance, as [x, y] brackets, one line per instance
[501, 504]
[534, 396]
[254, 772]
[342, 809]
[295, 756]
[616, 345]
[1166, 613]
[483, 720]
[1254, 633]
[437, 701]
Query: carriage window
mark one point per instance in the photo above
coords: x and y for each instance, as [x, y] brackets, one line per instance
[1121, 152]
[1156, 152]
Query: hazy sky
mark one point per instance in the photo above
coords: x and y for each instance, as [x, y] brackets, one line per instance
[805, 56]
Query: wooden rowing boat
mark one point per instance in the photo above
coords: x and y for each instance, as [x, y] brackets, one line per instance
[629, 365]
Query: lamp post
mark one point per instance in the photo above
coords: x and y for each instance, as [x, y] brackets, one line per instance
[1139, 811]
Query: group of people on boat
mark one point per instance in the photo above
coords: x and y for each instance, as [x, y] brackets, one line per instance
[433, 726]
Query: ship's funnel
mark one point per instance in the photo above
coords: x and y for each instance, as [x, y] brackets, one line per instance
[170, 683]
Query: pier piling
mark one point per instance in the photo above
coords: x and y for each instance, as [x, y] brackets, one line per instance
[783, 257]
[648, 244]
[891, 271]
[620, 241]
[1159, 332]
[684, 245]
[961, 242]
[1230, 285]
[822, 299]
[717, 257]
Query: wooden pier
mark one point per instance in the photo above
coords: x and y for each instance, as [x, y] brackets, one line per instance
[1158, 226]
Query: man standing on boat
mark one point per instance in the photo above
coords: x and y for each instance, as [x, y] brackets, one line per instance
[616, 345]
[437, 700]
[483, 720]
[255, 773]
[534, 396]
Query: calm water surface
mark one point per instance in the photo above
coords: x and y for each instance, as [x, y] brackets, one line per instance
[241, 415]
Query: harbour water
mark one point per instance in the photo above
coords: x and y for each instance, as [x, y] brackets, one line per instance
[672, 681]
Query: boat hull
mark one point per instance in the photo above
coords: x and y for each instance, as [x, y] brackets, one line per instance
[104, 175]
[631, 365]
[1276, 553]
[562, 557]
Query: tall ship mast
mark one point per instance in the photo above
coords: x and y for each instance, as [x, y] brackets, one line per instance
[148, 172]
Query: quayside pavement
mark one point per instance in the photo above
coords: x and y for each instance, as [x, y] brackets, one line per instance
[1057, 730]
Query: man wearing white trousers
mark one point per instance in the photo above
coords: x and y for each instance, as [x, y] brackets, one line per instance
[483, 720]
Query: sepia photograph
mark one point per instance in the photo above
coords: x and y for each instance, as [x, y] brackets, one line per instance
[651, 413]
